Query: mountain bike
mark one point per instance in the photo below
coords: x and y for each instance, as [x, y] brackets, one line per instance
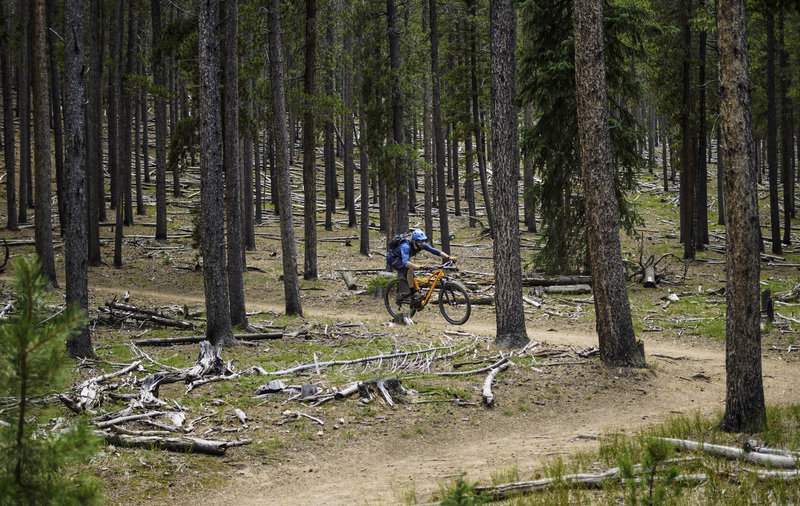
[453, 298]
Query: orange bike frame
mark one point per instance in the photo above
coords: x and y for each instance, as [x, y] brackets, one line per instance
[431, 280]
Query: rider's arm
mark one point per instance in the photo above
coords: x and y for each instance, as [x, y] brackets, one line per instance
[431, 249]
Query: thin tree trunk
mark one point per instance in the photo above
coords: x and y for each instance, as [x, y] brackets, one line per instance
[161, 129]
[140, 139]
[24, 107]
[128, 101]
[41, 132]
[291, 284]
[510, 316]
[701, 204]
[113, 99]
[477, 122]
[688, 152]
[787, 178]
[772, 137]
[427, 130]
[528, 177]
[364, 170]
[347, 123]
[8, 120]
[247, 181]
[232, 166]
[309, 138]
[55, 102]
[329, 155]
[438, 135]
[95, 192]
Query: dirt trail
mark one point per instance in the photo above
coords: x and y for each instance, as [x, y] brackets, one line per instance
[368, 472]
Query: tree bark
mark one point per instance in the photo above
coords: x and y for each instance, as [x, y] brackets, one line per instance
[772, 136]
[688, 152]
[528, 178]
[41, 132]
[159, 80]
[8, 120]
[612, 309]
[744, 399]
[477, 122]
[212, 223]
[291, 284]
[55, 103]
[232, 165]
[128, 101]
[309, 138]
[701, 199]
[95, 192]
[511, 331]
[347, 122]
[787, 167]
[438, 135]
[75, 189]
[329, 154]
[397, 189]
[24, 110]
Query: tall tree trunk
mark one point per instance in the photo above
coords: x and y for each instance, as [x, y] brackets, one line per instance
[95, 191]
[8, 119]
[247, 180]
[161, 128]
[113, 99]
[24, 107]
[612, 309]
[347, 122]
[510, 316]
[397, 190]
[128, 101]
[329, 154]
[55, 102]
[117, 90]
[688, 151]
[259, 156]
[219, 329]
[744, 399]
[427, 130]
[364, 171]
[772, 137]
[438, 135]
[309, 138]
[232, 167]
[477, 121]
[701, 203]
[140, 140]
[787, 171]
[41, 133]
[291, 283]
[528, 177]
[79, 345]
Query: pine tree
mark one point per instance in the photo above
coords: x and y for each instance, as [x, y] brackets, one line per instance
[31, 363]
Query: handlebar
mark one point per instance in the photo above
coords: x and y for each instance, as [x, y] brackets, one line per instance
[448, 264]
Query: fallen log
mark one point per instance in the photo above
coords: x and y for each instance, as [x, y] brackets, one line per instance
[174, 444]
[349, 280]
[488, 396]
[568, 289]
[474, 371]
[729, 452]
[560, 280]
[158, 320]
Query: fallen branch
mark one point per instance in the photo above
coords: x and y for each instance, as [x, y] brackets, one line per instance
[169, 341]
[488, 396]
[333, 363]
[729, 452]
[473, 371]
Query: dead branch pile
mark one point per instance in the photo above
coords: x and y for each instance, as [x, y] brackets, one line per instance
[146, 408]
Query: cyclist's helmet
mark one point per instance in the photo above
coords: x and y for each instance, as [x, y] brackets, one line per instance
[419, 235]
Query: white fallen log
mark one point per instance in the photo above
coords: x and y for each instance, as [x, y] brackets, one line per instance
[488, 396]
[729, 452]
[106, 377]
[175, 444]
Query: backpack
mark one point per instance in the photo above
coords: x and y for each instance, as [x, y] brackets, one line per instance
[398, 239]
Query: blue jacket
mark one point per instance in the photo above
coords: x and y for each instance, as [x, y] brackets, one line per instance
[404, 251]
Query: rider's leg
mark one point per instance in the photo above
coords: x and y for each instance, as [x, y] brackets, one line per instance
[410, 279]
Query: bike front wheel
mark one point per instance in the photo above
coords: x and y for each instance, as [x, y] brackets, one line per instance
[395, 298]
[454, 303]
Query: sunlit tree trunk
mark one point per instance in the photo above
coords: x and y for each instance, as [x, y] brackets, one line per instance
[744, 398]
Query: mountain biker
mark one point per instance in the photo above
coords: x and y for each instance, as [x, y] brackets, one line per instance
[399, 258]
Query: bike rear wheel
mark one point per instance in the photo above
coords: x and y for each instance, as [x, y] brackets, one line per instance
[395, 298]
[454, 303]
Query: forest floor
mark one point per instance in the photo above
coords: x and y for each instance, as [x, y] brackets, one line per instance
[552, 403]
